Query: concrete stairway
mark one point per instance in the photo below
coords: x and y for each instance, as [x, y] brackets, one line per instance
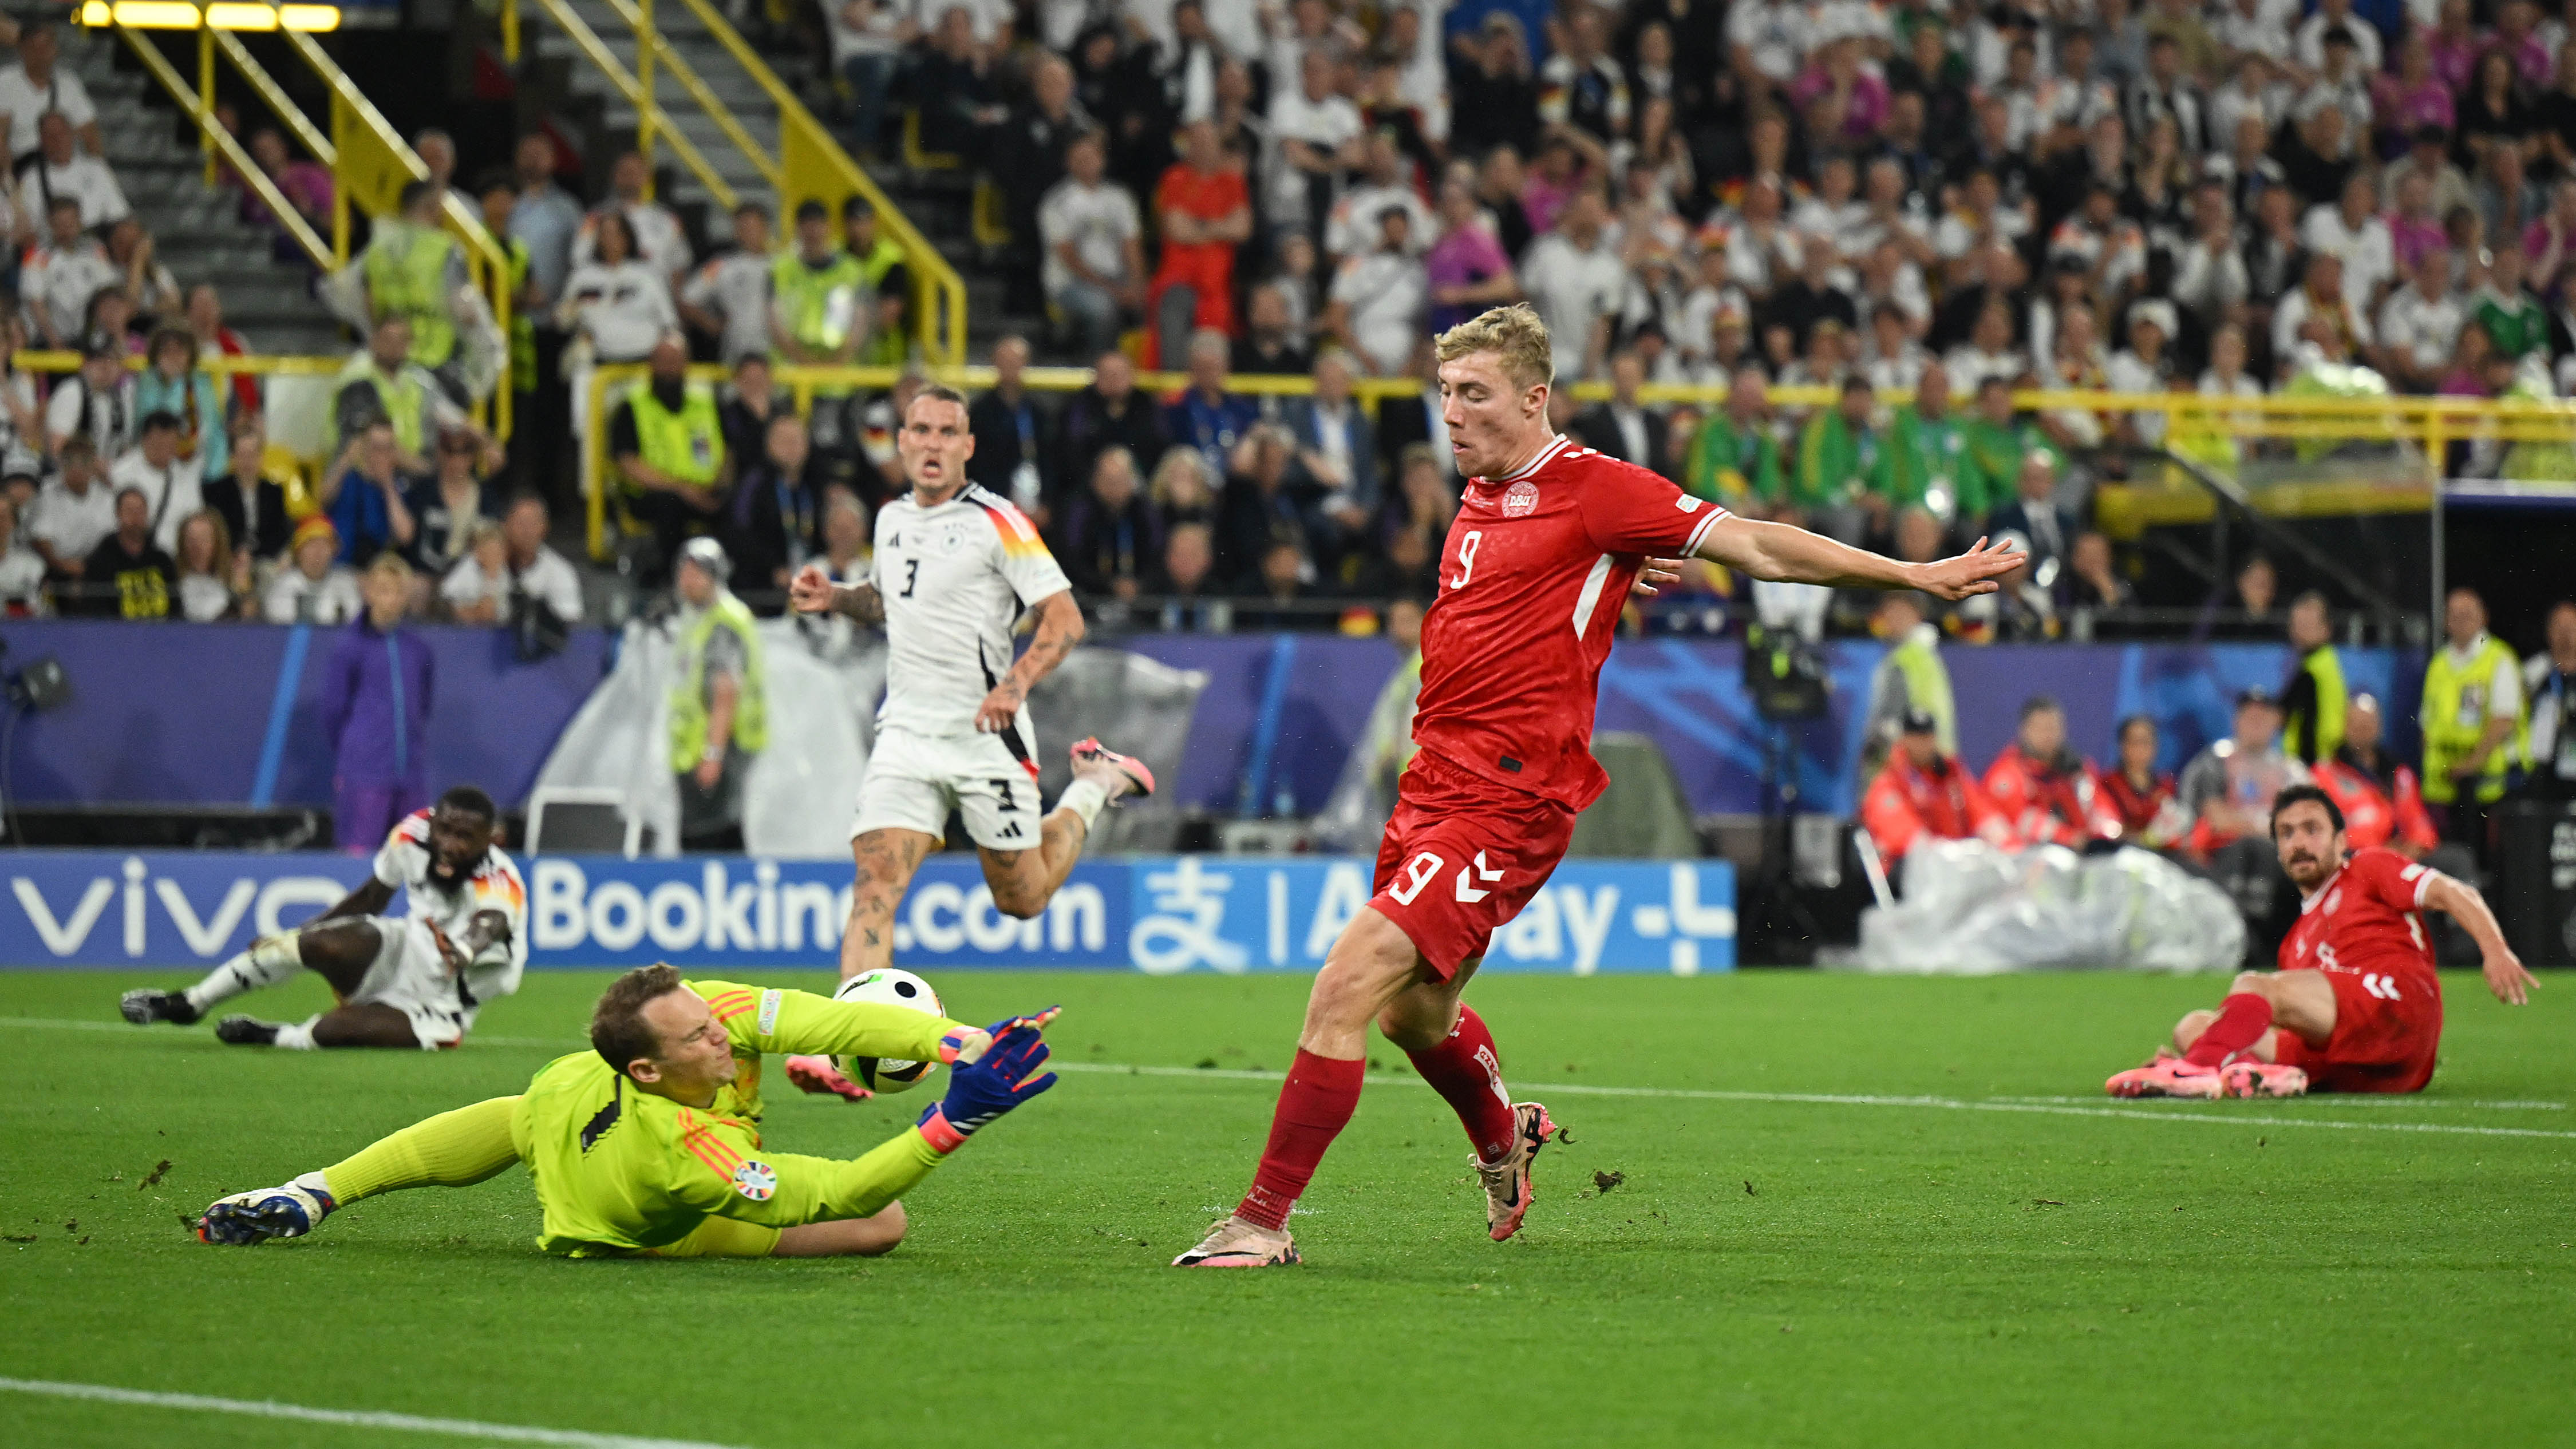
[197, 230]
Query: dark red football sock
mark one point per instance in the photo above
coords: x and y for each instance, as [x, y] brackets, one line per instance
[1467, 1070]
[2242, 1019]
[1314, 1106]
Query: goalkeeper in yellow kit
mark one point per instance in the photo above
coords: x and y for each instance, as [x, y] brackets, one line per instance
[650, 1142]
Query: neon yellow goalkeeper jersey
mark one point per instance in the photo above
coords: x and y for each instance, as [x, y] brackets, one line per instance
[619, 1171]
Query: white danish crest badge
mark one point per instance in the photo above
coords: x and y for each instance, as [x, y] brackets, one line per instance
[1519, 499]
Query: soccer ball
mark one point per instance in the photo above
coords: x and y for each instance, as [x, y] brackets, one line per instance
[889, 988]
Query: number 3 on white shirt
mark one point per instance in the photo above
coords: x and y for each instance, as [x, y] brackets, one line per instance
[1467, 558]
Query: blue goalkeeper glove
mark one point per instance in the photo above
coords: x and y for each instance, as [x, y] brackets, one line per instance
[1000, 1078]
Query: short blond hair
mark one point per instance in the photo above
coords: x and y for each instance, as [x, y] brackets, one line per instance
[390, 564]
[1514, 334]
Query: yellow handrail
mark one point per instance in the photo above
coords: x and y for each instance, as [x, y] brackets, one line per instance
[651, 119]
[687, 75]
[360, 133]
[200, 110]
[815, 166]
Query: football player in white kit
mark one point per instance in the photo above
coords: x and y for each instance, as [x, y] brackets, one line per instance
[416, 981]
[954, 566]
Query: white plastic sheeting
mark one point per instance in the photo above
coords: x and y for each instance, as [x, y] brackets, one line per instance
[824, 683]
[1972, 910]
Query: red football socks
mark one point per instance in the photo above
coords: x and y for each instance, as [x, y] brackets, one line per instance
[1314, 1106]
[2242, 1019]
[1467, 1070]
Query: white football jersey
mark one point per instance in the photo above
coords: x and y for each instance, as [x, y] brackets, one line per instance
[495, 886]
[955, 578]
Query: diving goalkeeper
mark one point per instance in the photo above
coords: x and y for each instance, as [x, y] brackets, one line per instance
[649, 1144]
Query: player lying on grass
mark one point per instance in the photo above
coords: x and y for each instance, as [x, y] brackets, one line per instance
[1547, 543]
[414, 981]
[649, 1143]
[2355, 1006]
[953, 562]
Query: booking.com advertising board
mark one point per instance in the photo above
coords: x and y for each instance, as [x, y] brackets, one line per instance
[1158, 914]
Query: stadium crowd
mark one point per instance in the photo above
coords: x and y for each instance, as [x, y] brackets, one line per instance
[1908, 201]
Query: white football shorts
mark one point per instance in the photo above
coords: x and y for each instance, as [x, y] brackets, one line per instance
[410, 976]
[913, 781]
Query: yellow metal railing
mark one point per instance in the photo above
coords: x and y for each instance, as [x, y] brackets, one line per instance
[2429, 423]
[651, 120]
[197, 103]
[808, 163]
[369, 163]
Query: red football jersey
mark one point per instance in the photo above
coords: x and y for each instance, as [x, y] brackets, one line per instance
[2367, 917]
[1535, 572]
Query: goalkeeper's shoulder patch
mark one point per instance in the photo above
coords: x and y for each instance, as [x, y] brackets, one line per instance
[769, 1001]
[756, 1180]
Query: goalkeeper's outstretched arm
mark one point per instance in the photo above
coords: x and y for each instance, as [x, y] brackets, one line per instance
[980, 1091]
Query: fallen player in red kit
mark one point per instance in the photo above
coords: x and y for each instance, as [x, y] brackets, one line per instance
[2355, 1006]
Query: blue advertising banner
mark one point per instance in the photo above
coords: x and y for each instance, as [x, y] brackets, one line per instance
[1158, 914]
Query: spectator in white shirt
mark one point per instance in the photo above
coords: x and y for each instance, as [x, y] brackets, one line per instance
[1386, 180]
[653, 230]
[1318, 134]
[60, 169]
[1768, 40]
[58, 279]
[97, 401]
[173, 487]
[36, 85]
[1094, 263]
[312, 588]
[1378, 300]
[728, 297]
[2143, 367]
[1575, 280]
[73, 512]
[2308, 47]
[481, 586]
[2352, 231]
[868, 37]
[2419, 324]
[2209, 277]
[615, 302]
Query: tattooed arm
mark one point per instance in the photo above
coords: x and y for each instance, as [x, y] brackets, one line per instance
[813, 592]
[1059, 629]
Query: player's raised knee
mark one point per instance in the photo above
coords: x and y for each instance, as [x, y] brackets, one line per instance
[1014, 899]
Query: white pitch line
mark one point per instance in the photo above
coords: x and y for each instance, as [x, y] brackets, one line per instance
[2045, 1106]
[353, 1418]
[1835, 1099]
[2363, 1099]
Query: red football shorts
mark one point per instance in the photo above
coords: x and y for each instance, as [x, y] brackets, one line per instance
[2379, 1044]
[1461, 856]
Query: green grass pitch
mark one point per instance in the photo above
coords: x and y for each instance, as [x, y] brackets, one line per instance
[1987, 1269]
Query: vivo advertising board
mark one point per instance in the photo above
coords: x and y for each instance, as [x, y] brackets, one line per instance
[1158, 914]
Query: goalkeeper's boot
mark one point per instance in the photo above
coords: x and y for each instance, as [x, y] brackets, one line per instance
[1234, 1243]
[247, 1031]
[1140, 781]
[2247, 1077]
[247, 1219]
[2167, 1077]
[145, 1005]
[822, 1077]
[1507, 1182]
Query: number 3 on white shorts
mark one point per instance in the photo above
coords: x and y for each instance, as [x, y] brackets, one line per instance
[1467, 558]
